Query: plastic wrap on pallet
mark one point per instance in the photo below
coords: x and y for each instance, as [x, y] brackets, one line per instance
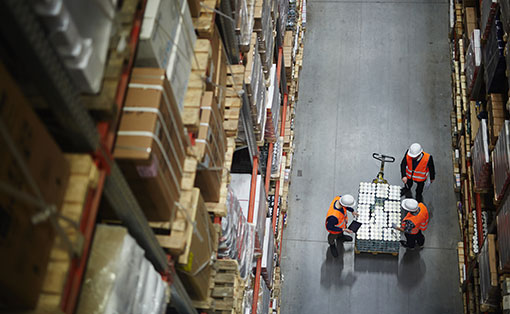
[489, 288]
[503, 222]
[504, 7]
[378, 208]
[283, 9]
[80, 33]
[488, 10]
[241, 185]
[264, 298]
[272, 107]
[277, 157]
[494, 59]
[473, 59]
[167, 41]
[119, 279]
[244, 14]
[247, 250]
[501, 162]
[480, 157]
[267, 261]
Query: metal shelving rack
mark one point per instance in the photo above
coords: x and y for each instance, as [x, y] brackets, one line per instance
[30, 49]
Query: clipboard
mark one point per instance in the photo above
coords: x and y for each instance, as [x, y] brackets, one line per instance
[354, 226]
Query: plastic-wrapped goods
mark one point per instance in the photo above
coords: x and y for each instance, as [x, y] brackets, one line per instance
[247, 249]
[480, 158]
[241, 184]
[267, 262]
[501, 162]
[119, 279]
[232, 228]
[244, 17]
[277, 157]
[264, 298]
[488, 10]
[503, 222]
[80, 33]
[489, 284]
[283, 8]
[494, 59]
[473, 60]
[167, 41]
[273, 107]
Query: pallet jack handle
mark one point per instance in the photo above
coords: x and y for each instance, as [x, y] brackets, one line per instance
[383, 158]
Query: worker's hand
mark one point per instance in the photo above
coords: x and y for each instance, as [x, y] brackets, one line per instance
[394, 226]
[404, 179]
[349, 231]
[355, 214]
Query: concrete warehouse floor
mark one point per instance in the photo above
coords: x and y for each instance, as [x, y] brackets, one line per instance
[376, 78]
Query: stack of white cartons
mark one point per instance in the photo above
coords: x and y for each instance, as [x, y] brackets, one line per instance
[272, 107]
[167, 41]
[268, 254]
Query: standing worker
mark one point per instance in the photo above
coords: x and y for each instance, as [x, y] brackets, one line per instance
[414, 223]
[416, 166]
[336, 220]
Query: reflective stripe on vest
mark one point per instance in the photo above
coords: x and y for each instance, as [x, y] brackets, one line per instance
[421, 172]
[342, 219]
[420, 221]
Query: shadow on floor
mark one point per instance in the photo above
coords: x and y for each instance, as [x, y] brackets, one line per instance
[332, 268]
[380, 263]
[411, 269]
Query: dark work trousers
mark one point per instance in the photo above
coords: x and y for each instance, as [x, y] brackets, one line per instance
[340, 237]
[419, 189]
[413, 239]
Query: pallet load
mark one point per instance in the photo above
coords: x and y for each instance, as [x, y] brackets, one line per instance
[167, 39]
[379, 208]
[26, 245]
[494, 59]
[237, 240]
[119, 279]
[480, 158]
[151, 144]
[241, 185]
[488, 10]
[489, 283]
[473, 62]
[503, 223]
[501, 162]
[244, 18]
[268, 249]
[271, 133]
[496, 111]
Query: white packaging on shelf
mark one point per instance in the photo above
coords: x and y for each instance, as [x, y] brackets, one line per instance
[167, 41]
[267, 262]
[241, 184]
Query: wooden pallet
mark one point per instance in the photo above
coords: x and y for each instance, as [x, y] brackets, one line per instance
[102, 106]
[84, 177]
[205, 23]
[227, 289]
[375, 252]
[220, 208]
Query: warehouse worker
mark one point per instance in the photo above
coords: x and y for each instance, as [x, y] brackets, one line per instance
[414, 223]
[336, 220]
[416, 166]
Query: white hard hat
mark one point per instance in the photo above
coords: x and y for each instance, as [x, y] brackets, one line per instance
[415, 150]
[347, 200]
[409, 204]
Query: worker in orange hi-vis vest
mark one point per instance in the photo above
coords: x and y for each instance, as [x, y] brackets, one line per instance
[416, 221]
[336, 220]
[416, 166]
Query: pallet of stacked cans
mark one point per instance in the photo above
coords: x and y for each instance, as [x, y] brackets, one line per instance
[379, 208]
[481, 160]
[501, 162]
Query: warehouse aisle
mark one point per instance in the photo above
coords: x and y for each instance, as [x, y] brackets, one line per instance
[375, 79]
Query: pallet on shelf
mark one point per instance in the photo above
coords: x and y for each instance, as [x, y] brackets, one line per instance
[205, 23]
[84, 177]
[220, 208]
[103, 105]
[495, 108]
[226, 289]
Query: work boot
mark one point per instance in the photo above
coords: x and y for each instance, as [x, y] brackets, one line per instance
[333, 250]
[419, 198]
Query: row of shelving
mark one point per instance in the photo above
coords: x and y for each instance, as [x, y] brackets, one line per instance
[168, 122]
[481, 154]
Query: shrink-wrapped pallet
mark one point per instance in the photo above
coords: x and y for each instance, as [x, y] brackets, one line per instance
[480, 158]
[501, 162]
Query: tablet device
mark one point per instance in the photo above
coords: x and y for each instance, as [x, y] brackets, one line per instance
[354, 226]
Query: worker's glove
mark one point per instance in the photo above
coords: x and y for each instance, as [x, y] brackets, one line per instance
[355, 214]
[394, 226]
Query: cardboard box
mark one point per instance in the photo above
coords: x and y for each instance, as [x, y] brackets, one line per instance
[151, 144]
[167, 40]
[25, 247]
[196, 273]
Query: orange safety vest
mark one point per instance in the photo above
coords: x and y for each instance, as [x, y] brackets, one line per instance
[421, 172]
[420, 221]
[342, 218]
